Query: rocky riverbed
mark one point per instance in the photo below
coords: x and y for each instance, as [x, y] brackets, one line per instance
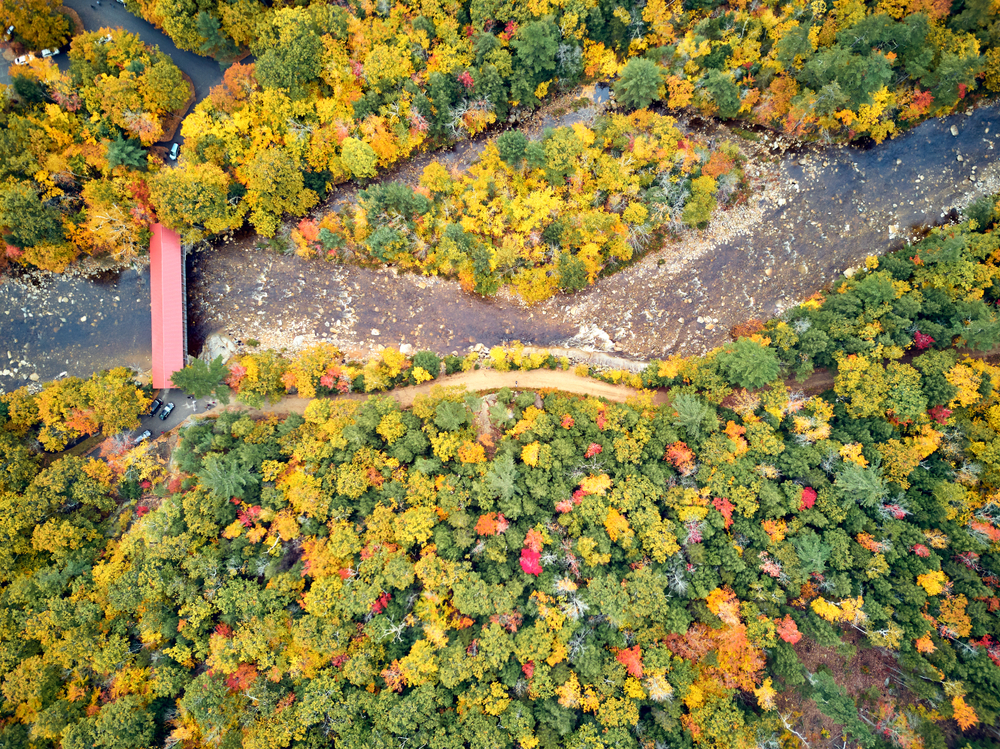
[813, 213]
[73, 323]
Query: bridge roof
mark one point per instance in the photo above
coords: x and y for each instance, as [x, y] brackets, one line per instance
[166, 276]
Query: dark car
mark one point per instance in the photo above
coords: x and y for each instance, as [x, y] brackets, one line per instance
[166, 411]
[143, 436]
[154, 407]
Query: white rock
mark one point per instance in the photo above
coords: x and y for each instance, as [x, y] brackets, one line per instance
[954, 130]
[405, 349]
[375, 331]
[850, 272]
[83, 319]
[781, 201]
[33, 377]
[960, 157]
[218, 344]
[298, 340]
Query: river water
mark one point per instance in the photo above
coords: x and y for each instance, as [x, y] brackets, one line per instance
[813, 214]
[53, 323]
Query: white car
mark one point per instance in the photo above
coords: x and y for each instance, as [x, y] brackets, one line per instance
[50, 52]
[175, 149]
[8, 33]
[24, 59]
[105, 39]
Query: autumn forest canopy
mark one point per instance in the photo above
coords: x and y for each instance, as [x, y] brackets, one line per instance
[533, 569]
[341, 92]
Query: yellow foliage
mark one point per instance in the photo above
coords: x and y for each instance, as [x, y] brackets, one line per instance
[596, 484]
[852, 453]
[933, 582]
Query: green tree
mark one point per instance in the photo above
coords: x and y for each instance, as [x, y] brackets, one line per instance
[294, 61]
[748, 363]
[217, 44]
[639, 83]
[225, 477]
[127, 153]
[28, 220]
[359, 157]
[200, 379]
[124, 724]
[724, 93]
[512, 146]
[537, 44]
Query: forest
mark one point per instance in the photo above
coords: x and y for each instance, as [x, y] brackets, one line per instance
[343, 92]
[534, 569]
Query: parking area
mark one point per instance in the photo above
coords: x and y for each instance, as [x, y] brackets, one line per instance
[184, 406]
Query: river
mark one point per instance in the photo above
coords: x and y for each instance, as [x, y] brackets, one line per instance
[814, 213]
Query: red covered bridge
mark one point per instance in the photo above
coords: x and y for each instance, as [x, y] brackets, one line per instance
[167, 301]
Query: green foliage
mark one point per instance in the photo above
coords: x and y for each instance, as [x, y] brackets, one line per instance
[639, 83]
[200, 379]
[748, 364]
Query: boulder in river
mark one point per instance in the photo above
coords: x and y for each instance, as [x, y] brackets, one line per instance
[218, 344]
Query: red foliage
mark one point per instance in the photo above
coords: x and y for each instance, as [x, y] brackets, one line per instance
[680, 456]
[242, 677]
[487, 525]
[531, 561]
[380, 603]
[528, 669]
[236, 374]
[694, 535]
[602, 420]
[631, 658]
[694, 644]
[567, 422]
[141, 510]
[248, 515]
[534, 540]
[940, 414]
[223, 630]
[808, 498]
[465, 78]
[725, 507]
[594, 449]
[564, 506]
[992, 647]
[339, 660]
[788, 630]
[921, 551]
[921, 340]
[962, 88]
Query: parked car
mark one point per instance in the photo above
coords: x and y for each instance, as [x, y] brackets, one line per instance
[175, 150]
[166, 411]
[143, 436]
[105, 39]
[154, 407]
[50, 52]
[8, 33]
[24, 59]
